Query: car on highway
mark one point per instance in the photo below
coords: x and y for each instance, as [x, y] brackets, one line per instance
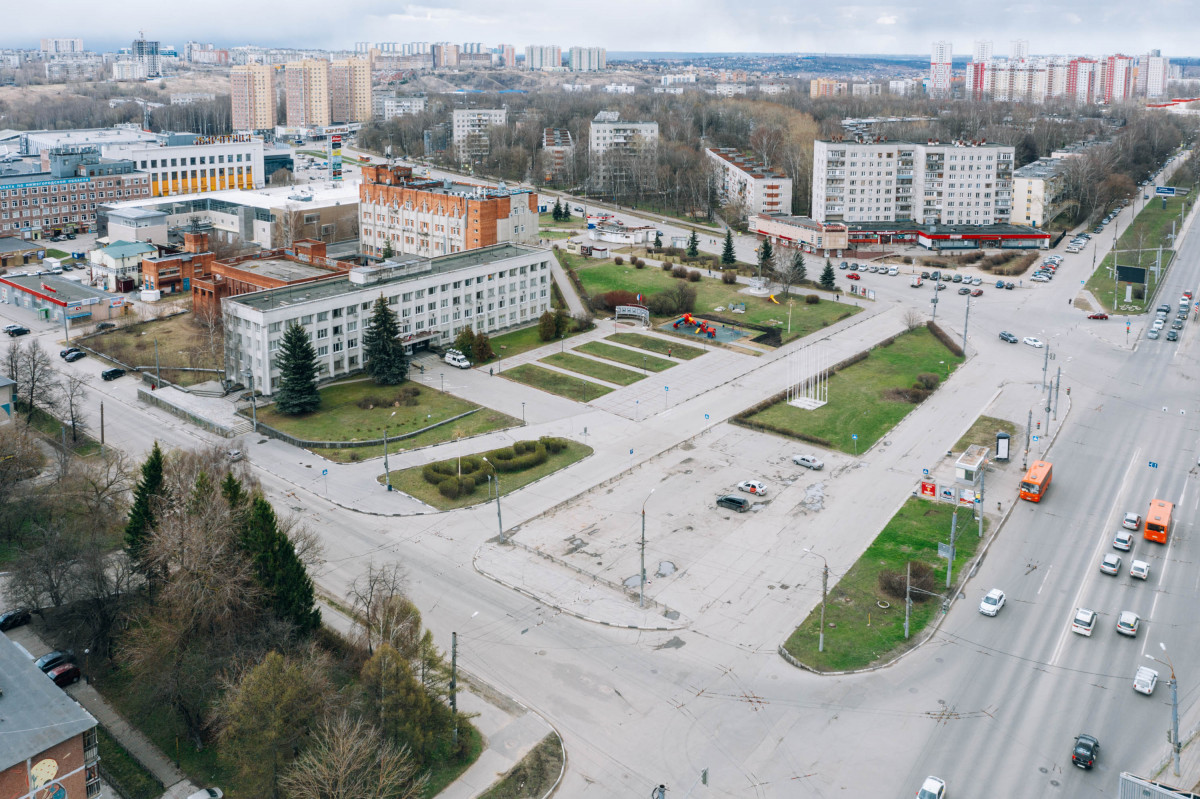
[1128, 623]
[1172, 335]
[1009, 337]
[64, 675]
[964, 290]
[1140, 569]
[753, 487]
[1086, 751]
[733, 502]
[932, 788]
[976, 292]
[1152, 333]
[1123, 541]
[1084, 621]
[1177, 325]
[1144, 680]
[1111, 564]
[808, 461]
[991, 604]
[1033, 342]
[1158, 324]
[1132, 521]
[1097, 316]
[853, 276]
[14, 618]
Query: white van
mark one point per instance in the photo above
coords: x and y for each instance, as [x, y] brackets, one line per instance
[915, 282]
[456, 359]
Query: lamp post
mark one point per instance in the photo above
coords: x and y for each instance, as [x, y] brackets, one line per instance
[824, 591]
[642, 591]
[496, 476]
[1174, 737]
[522, 413]
[500, 358]
[442, 375]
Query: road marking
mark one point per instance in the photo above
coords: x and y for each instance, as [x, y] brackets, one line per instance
[1044, 579]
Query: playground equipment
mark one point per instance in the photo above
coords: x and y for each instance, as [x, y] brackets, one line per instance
[703, 328]
[774, 300]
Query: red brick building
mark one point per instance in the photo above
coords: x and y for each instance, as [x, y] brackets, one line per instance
[305, 262]
[174, 272]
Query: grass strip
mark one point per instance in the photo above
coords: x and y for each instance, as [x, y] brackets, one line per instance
[596, 369]
[556, 382]
[681, 351]
[637, 360]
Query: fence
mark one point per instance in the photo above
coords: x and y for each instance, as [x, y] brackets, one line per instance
[151, 398]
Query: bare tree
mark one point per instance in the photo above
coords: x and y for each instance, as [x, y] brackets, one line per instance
[371, 595]
[39, 382]
[913, 319]
[72, 393]
[349, 759]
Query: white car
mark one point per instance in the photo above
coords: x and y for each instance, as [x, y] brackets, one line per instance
[753, 487]
[932, 788]
[1111, 564]
[1140, 569]
[1158, 324]
[1131, 521]
[1127, 623]
[1123, 541]
[457, 359]
[1039, 279]
[992, 603]
[9, 328]
[1145, 680]
[1084, 621]
[207, 793]
[1033, 342]
[809, 461]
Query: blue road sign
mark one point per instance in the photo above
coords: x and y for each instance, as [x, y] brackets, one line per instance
[1164, 191]
[631, 451]
[706, 416]
[854, 436]
[925, 472]
[324, 472]
[666, 388]
[1153, 465]
[1035, 438]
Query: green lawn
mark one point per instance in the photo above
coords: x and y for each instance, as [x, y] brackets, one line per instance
[621, 355]
[681, 351]
[859, 402]
[858, 632]
[517, 342]
[586, 366]
[1138, 246]
[52, 428]
[983, 432]
[341, 419]
[412, 483]
[134, 781]
[601, 276]
[546, 220]
[556, 382]
[551, 235]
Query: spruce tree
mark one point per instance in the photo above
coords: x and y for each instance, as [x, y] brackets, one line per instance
[658, 239]
[799, 270]
[482, 348]
[383, 353]
[556, 214]
[388, 252]
[141, 515]
[693, 247]
[297, 361]
[827, 277]
[766, 258]
[278, 570]
[728, 256]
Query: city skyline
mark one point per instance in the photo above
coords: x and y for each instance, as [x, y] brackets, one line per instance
[1054, 27]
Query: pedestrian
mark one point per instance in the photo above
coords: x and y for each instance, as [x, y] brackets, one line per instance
[997, 506]
[668, 352]
[1068, 300]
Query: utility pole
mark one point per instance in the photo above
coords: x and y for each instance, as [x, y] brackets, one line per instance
[496, 476]
[1045, 366]
[1047, 430]
[1057, 385]
[979, 504]
[642, 591]
[454, 681]
[1175, 721]
[907, 601]
[950, 560]
[966, 322]
[1028, 428]
[157, 371]
[933, 302]
[102, 428]
[387, 473]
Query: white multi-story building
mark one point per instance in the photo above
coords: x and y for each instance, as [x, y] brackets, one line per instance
[1037, 192]
[940, 69]
[184, 163]
[1152, 74]
[53, 47]
[619, 88]
[129, 70]
[187, 98]
[774, 88]
[539, 56]
[388, 106]
[728, 89]
[490, 290]
[621, 153]
[874, 180]
[470, 128]
[866, 89]
[588, 59]
[672, 80]
[904, 87]
[743, 179]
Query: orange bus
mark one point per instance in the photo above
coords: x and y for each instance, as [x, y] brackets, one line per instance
[1037, 481]
[1158, 520]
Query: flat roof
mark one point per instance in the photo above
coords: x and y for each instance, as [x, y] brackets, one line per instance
[276, 198]
[136, 213]
[35, 714]
[282, 269]
[61, 289]
[746, 163]
[14, 244]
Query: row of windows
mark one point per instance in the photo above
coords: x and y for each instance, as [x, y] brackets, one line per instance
[204, 159]
[95, 184]
[54, 221]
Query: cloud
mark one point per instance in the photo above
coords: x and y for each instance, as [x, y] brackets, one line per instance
[886, 19]
[1072, 18]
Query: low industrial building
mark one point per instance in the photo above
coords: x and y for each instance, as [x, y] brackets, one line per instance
[53, 298]
[118, 266]
[830, 238]
[18, 252]
[174, 269]
[489, 289]
[800, 232]
[47, 741]
[304, 262]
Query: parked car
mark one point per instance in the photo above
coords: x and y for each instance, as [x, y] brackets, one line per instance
[999, 284]
[843, 265]
[207, 793]
[457, 359]
[853, 276]
[1111, 564]
[1009, 337]
[1140, 570]
[1128, 623]
[1086, 751]
[53, 659]
[1145, 680]
[753, 487]
[957, 278]
[976, 281]
[964, 290]
[1033, 342]
[940, 286]
[67, 351]
[1123, 541]
[733, 502]
[64, 675]
[808, 461]
[14, 618]
[17, 330]
[100, 328]
[924, 275]
[976, 292]
[71, 357]
[112, 374]
[1097, 316]
[1084, 621]
[992, 602]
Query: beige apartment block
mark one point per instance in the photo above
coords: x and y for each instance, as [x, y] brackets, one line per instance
[306, 84]
[253, 90]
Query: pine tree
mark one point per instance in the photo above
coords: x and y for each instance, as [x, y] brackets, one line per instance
[383, 353]
[827, 277]
[282, 575]
[465, 341]
[766, 258]
[728, 256]
[658, 239]
[141, 514]
[799, 270]
[297, 373]
[693, 248]
[562, 322]
[556, 214]
[388, 252]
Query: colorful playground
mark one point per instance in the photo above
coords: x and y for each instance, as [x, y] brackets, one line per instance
[700, 328]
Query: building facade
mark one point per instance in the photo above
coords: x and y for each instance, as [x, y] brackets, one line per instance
[253, 93]
[53, 47]
[490, 290]
[184, 163]
[940, 69]
[304, 262]
[471, 128]
[389, 106]
[825, 87]
[306, 84]
[349, 91]
[622, 154]
[1038, 192]
[746, 181]
[173, 270]
[875, 180]
[118, 266]
[430, 218]
[588, 59]
[558, 155]
[539, 56]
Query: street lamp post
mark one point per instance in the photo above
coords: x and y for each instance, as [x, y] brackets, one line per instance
[522, 413]
[824, 592]
[642, 591]
[1174, 705]
[500, 359]
[496, 476]
[442, 375]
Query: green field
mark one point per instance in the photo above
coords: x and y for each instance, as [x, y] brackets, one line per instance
[1138, 246]
[517, 342]
[596, 369]
[681, 351]
[556, 382]
[576, 222]
[858, 631]
[601, 276]
[860, 400]
[412, 483]
[621, 355]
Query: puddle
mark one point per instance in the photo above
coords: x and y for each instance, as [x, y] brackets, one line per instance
[665, 568]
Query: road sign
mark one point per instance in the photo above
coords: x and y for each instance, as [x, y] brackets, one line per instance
[1035, 438]
[1164, 191]
[666, 388]
[706, 417]
[925, 472]
[945, 550]
[854, 436]
[324, 472]
[1153, 464]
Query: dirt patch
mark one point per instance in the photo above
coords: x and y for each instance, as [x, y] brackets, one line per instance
[534, 775]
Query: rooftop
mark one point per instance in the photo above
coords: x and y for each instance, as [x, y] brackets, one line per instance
[128, 249]
[14, 244]
[35, 714]
[746, 163]
[1042, 168]
[56, 287]
[285, 269]
[317, 195]
[136, 213]
[971, 231]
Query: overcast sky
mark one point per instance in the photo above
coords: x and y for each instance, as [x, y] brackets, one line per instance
[1051, 26]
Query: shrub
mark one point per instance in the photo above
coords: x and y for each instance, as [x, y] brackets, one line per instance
[680, 271]
[919, 576]
[368, 402]
[639, 264]
[455, 487]
[729, 277]
[553, 444]
[612, 299]
[941, 336]
[812, 299]
[694, 276]
[660, 304]
[666, 266]
[618, 260]
[928, 380]
[906, 259]
[674, 251]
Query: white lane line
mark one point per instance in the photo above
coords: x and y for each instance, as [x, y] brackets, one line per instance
[1044, 579]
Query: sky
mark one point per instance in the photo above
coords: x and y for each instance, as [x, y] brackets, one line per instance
[1051, 26]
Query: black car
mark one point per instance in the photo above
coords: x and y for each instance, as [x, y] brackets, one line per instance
[964, 290]
[53, 659]
[100, 328]
[67, 351]
[739, 504]
[1087, 751]
[112, 374]
[1009, 337]
[1009, 286]
[18, 331]
[924, 275]
[71, 236]
[72, 357]
[13, 618]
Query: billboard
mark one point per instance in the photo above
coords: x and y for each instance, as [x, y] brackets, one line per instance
[1131, 274]
[335, 157]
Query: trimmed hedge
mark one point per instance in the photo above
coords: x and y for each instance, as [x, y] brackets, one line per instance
[941, 336]
[520, 456]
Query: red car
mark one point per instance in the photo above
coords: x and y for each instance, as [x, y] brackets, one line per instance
[64, 675]
[977, 292]
[1097, 316]
[853, 276]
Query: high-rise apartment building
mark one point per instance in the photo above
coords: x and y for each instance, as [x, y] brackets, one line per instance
[936, 183]
[53, 47]
[350, 90]
[622, 154]
[826, 87]
[147, 52]
[588, 59]
[940, 69]
[471, 127]
[507, 54]
[1116, 78]
[1152, 74]
[1020, 49]
[538, 56]
[977, 71]
[306, 84]
[253, 89]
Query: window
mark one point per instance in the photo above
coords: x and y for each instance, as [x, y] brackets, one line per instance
[306, 320]
[323, 333]
[323, 316]
[322, 351]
